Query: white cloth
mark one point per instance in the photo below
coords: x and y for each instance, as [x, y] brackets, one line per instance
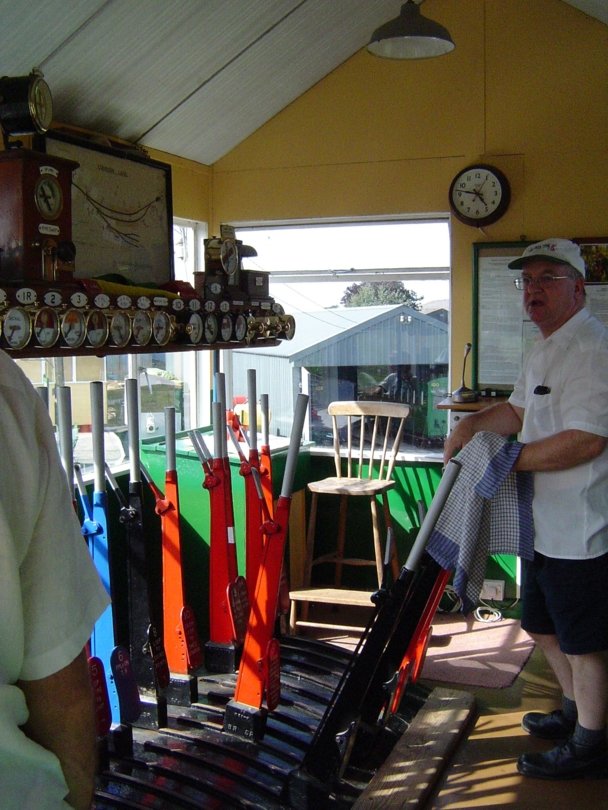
[50, 594]
[570, 506]
[488, 511]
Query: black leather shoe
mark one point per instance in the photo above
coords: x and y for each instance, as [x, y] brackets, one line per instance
[567, 761]
[552, 726]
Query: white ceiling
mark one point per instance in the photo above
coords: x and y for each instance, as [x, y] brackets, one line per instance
[190, 77]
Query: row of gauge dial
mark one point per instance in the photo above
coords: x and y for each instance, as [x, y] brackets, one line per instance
[73, 327]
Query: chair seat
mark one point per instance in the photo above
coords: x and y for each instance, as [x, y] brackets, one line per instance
[350, 486]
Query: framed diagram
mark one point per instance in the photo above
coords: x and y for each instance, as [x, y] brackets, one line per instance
[122, 219]
[498, 324]
[502, 334]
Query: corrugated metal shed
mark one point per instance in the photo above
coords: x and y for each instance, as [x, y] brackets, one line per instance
[363, 336]
[357, 336]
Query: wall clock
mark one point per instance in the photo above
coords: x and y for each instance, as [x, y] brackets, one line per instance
[479, 195]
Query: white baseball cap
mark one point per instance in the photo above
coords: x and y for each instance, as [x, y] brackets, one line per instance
[560, 251]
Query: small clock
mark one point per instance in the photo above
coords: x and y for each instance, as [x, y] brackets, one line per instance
[226, 327]
[194, 328]
[210, 328]
[120, 328]
[26, 104]
[162, 328]
[229, 256]
[240, 327]
[142, 328]
[479, 195]
[48, 197]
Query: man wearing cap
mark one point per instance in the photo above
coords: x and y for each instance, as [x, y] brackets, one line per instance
[559, 406]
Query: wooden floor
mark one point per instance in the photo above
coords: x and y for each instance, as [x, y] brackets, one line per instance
[481, 771]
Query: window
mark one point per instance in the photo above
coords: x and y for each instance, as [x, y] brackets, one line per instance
[371, 303]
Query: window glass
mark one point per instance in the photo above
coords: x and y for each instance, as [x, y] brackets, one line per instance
[371, 303]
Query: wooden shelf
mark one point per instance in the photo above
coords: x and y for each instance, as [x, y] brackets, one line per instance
[479, 405]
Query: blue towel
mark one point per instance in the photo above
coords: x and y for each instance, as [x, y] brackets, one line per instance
[488, 511]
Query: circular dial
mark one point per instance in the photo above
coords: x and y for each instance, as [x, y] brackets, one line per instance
[288, 327]
[73, 328]
[240, 327]
[120, 328]
[162, 328]
[48, 197]
[46, 327]
[97, 328]
[142, 328]
[194, 328]
[17, 327]
[40, 103]
[210, 328]
[226, 327]
[229, 256]
[479, 195]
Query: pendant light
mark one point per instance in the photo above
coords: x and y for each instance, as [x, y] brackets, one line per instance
[410, 36]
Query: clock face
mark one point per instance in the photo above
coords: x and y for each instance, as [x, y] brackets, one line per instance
[142, 328]
[48, 197]
[194, 329]
[226, 327]
[40, 104]
[161, 328]
[479, 195]
[210, 329]
[240, 327]
[229, 256]
[120, 329]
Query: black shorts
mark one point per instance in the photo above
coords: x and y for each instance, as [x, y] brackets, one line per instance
[567, 598]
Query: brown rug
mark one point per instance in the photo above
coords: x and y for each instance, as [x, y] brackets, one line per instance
[466, 651]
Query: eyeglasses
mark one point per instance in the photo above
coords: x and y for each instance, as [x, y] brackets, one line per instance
[544, 281]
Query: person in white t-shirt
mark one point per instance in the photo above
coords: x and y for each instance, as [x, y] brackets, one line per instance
[559, 406]
[51, 597]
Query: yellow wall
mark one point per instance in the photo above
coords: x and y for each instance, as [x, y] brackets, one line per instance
[191, 183]
[525, 89]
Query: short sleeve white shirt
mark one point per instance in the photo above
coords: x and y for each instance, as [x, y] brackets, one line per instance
[570, 506]
[51, 595]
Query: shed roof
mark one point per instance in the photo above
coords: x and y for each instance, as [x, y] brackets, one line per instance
[362, 336]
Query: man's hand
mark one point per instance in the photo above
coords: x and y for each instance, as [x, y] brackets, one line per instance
[502, 418]
[461, 435]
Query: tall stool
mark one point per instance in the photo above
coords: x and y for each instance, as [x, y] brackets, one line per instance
[364, 468]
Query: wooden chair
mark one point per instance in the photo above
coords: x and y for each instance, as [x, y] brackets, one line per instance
[364, 468]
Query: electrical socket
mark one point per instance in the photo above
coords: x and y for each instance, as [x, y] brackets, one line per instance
[493, 589]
